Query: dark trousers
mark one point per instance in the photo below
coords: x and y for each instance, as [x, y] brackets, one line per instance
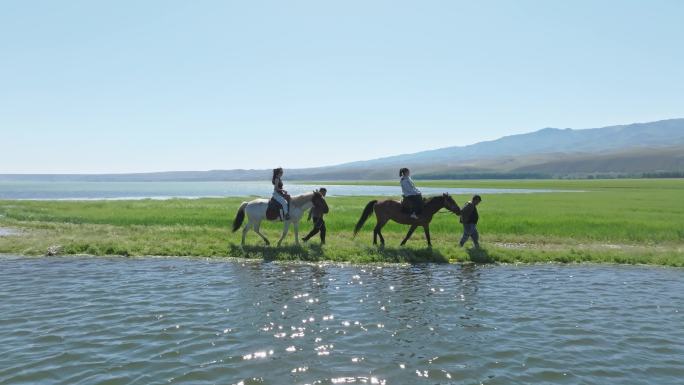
[416, 203]
[319, 226]
[470, 231]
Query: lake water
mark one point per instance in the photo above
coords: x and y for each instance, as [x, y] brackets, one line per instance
[170, 321]
[165, 190]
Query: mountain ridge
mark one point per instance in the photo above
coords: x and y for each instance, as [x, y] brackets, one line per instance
[546, 140]
[551, 152]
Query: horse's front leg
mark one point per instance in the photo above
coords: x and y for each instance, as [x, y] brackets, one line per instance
[285, 230]
[408, 235]
[427, 234]
[257, 230]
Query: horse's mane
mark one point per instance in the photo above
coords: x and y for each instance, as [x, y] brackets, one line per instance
[430, 199]
[301, 199]
[426, 199]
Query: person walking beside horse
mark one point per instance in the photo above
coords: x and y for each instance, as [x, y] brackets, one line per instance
[469, 218]
[317, 213]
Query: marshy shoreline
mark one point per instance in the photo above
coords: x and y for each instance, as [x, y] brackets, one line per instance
[612, 221]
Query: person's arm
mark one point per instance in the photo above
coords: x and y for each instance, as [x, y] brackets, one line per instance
[405, 187]
[325, 207]
[310, 212]
[278, 187]
[413, 186]
[408, 188]
[466, 212]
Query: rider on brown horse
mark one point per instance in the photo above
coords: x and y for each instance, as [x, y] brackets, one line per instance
[411, 193]
[387, 210]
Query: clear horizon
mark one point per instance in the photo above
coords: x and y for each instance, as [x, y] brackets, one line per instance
[172, 86]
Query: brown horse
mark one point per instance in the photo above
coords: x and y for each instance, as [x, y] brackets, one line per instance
[391, 209]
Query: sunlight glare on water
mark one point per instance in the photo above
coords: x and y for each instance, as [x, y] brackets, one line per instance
[166, 320]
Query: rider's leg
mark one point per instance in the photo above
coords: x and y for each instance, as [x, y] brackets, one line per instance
[283, 203]
[416, 205]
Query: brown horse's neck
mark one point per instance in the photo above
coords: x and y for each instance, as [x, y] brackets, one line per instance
[434, 204]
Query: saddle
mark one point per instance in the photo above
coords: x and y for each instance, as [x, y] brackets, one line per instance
[406, 206]
[273, 210]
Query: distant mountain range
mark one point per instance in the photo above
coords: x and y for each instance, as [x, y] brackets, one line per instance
[632, 149]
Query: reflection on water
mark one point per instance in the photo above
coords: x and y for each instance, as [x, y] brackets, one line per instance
[165, 190]
[96, 321]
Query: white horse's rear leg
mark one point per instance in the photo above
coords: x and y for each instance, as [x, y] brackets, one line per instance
[245, 230]
[257, 225]
[285, 229]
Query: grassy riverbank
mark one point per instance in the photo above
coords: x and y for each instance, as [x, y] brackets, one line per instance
[623, 221]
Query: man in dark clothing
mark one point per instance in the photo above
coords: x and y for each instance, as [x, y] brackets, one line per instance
[317, 214]
[469, 218]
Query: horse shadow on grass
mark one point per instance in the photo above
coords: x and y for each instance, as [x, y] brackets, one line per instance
[313, 253]
[405, 255]
[316, 253]
[480, 255]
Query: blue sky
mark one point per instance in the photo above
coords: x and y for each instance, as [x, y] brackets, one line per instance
[133, 86]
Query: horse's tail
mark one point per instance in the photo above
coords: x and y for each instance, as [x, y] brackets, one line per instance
[366, 213]
[240, 217]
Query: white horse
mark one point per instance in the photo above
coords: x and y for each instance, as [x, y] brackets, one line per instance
[256, 212]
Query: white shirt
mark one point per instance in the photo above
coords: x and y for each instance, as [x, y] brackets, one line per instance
[407, 186]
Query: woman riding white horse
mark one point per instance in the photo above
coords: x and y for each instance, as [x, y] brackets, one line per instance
[256, 212]
[279, 193]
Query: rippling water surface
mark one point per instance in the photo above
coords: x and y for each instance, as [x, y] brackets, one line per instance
[161, 321]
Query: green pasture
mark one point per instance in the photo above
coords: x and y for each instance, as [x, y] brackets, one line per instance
[623, 221]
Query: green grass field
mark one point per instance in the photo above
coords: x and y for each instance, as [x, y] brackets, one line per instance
[620, 221]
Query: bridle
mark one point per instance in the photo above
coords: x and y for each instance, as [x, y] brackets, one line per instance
[446, 197]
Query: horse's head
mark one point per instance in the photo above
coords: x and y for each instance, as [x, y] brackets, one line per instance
[450, 204]
[317, 199]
